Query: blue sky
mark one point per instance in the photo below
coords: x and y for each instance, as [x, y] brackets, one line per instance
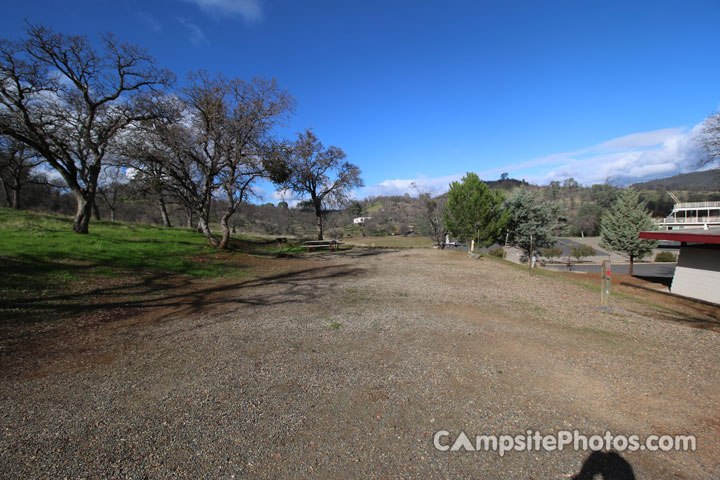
[426, 91]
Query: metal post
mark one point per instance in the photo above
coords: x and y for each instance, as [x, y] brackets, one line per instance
[531, 254]
[605, 284]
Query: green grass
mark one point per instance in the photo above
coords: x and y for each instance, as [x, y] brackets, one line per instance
[42, 239]
[40, 258]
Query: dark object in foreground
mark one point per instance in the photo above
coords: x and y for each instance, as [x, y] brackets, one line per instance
[611, 466]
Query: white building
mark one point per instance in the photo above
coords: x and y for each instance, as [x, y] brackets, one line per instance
[697, 274]
[691, 215]
[361, 220]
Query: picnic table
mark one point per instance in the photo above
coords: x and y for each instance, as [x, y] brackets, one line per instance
[330, 244]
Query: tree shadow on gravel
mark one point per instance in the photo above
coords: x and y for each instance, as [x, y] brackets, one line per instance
[27, 343]
[161, 290]
[610, 466]
[712, 323]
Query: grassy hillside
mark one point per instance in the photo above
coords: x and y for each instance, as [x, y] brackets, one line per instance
[44, 239]
[44, 264]
[705, 180]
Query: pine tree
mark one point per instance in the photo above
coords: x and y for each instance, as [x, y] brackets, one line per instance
[474, 211]
[620, 227]
[531, 222]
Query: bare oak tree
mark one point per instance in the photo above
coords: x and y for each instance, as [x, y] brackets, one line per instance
[69, 101]
[320, 173]
[16, 164]
[112, 183]
[709, 139]
[254, 110]
[218, 142]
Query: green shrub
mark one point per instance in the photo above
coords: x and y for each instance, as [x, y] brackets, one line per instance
[552, 252]
[665, 257]
[497, 252]
[581, 252]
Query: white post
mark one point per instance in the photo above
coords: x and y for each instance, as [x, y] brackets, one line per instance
[605, 283]
[530, 262]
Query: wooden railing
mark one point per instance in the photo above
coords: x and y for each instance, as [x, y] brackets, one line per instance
[697, 205]
[688, 220]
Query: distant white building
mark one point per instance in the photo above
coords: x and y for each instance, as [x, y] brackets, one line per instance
[361, 220]
[691, 215]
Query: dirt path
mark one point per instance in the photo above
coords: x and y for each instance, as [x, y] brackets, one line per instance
[346, 365]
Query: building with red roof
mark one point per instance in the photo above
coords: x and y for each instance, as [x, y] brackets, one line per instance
[698, 270]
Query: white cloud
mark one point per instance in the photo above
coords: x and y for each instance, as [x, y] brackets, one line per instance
[197, 36]
[258, 192]
[434, 186]
[149, 21]
[641, 140]
[627, 159]
[281, 194]
[248, 9]
[285, 195]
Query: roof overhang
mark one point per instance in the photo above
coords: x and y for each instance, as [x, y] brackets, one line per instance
[702, 236]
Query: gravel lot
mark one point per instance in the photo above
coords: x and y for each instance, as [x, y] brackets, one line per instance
[347, 364]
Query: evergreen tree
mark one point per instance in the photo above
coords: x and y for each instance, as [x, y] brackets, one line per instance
[531, 222]
[474, 211]
[620, 227]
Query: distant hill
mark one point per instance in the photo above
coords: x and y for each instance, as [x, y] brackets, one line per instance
[705, 180]
[506, 183]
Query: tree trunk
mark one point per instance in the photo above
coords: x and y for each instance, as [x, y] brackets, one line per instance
[17, 184]
[163, 211]
[6, 193]
[82, 214]
[189, 218]
[112, 214]
[16, 198]
[225, 241]
[319, 226]
[96, 211]
[318, 219]
[631, 264]
[205, 229]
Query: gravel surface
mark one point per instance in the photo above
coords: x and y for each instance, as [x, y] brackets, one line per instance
[346, 365]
